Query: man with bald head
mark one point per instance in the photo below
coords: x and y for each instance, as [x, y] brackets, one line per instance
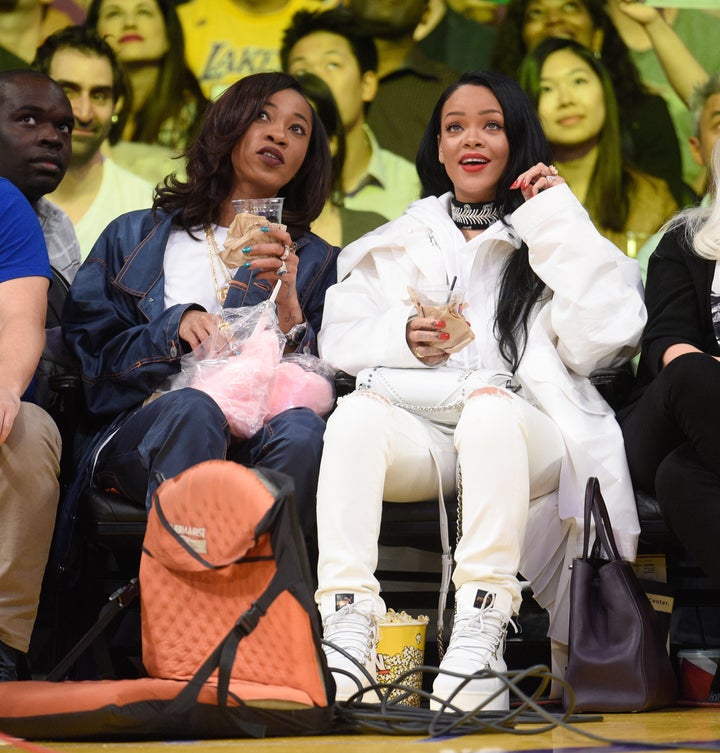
[36, 123]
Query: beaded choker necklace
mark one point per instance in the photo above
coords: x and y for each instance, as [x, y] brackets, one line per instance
[469, 216]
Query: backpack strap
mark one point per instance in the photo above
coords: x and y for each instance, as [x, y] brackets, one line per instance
[116, 603]
[223, 657]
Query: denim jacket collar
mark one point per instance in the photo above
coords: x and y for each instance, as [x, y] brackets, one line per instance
[148, 256]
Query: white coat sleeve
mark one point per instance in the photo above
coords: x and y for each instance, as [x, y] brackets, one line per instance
[597, 311]
[365, 315]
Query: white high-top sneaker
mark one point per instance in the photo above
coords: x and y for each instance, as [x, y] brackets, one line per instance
[354, 628]
[477, 642]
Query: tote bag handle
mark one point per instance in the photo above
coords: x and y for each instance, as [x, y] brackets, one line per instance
[595, 507]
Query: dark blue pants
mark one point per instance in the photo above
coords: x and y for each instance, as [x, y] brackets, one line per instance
[185, 427]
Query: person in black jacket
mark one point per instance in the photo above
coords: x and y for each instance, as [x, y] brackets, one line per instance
[671, 423]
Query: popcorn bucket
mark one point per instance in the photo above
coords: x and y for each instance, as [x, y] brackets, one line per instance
[401, 647]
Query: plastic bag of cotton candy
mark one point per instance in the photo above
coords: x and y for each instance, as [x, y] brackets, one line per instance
[242, 367]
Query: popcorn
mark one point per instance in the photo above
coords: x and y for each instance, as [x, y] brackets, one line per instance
[394, 617]
[401, 648]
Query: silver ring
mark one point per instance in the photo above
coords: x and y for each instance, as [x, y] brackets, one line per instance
[550, 178]
[285, 253]
[282, 270]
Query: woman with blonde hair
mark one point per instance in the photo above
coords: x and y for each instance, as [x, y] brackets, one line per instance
[671, 422]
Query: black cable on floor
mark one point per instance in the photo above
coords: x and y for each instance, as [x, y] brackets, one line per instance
[527, 714]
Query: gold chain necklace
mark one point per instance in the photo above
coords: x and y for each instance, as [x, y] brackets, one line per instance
[214, 254]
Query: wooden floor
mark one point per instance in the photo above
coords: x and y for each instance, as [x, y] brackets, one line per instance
[683, 726]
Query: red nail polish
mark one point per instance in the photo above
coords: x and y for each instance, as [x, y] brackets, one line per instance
[439, 324]
[444, 335]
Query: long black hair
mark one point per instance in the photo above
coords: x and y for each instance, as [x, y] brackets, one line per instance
[520, 288]
[176, 84]
[509, 49]
[209, 164]
[608, 196]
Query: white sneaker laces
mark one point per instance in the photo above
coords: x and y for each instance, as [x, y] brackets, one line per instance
[477, 637]
[353, 628]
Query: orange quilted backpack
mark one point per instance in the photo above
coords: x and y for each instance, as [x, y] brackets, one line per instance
[230, 632]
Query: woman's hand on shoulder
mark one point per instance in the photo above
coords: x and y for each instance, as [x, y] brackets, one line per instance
[538, 178]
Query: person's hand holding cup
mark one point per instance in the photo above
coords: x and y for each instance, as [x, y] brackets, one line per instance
[257, 225]
[439, 328]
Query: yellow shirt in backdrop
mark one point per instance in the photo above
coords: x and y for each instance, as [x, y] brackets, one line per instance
[224, 42]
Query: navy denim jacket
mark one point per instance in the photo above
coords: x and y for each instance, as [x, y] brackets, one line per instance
[115, 322]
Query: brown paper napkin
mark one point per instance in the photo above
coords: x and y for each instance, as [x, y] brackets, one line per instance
[244, 230]
[455, 323]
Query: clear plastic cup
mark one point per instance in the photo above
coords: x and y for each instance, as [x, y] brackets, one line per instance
[270, 209]
[437, 295]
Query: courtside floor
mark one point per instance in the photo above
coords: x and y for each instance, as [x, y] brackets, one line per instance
[697, 728]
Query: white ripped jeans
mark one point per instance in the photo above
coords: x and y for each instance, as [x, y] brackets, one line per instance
[508, 453]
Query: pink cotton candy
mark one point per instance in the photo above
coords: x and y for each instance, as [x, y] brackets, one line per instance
[254, 385]
[262, 350]
[239, 384]
[295, 387]
[238, 390]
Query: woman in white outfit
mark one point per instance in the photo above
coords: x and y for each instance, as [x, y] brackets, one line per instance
[549, 300]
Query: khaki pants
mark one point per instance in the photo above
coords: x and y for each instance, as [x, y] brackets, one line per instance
[29, 492]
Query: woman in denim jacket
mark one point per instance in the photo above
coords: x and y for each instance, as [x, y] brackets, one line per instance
[151, 289]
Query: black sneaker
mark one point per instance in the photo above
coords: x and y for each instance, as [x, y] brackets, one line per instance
[8, 662]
